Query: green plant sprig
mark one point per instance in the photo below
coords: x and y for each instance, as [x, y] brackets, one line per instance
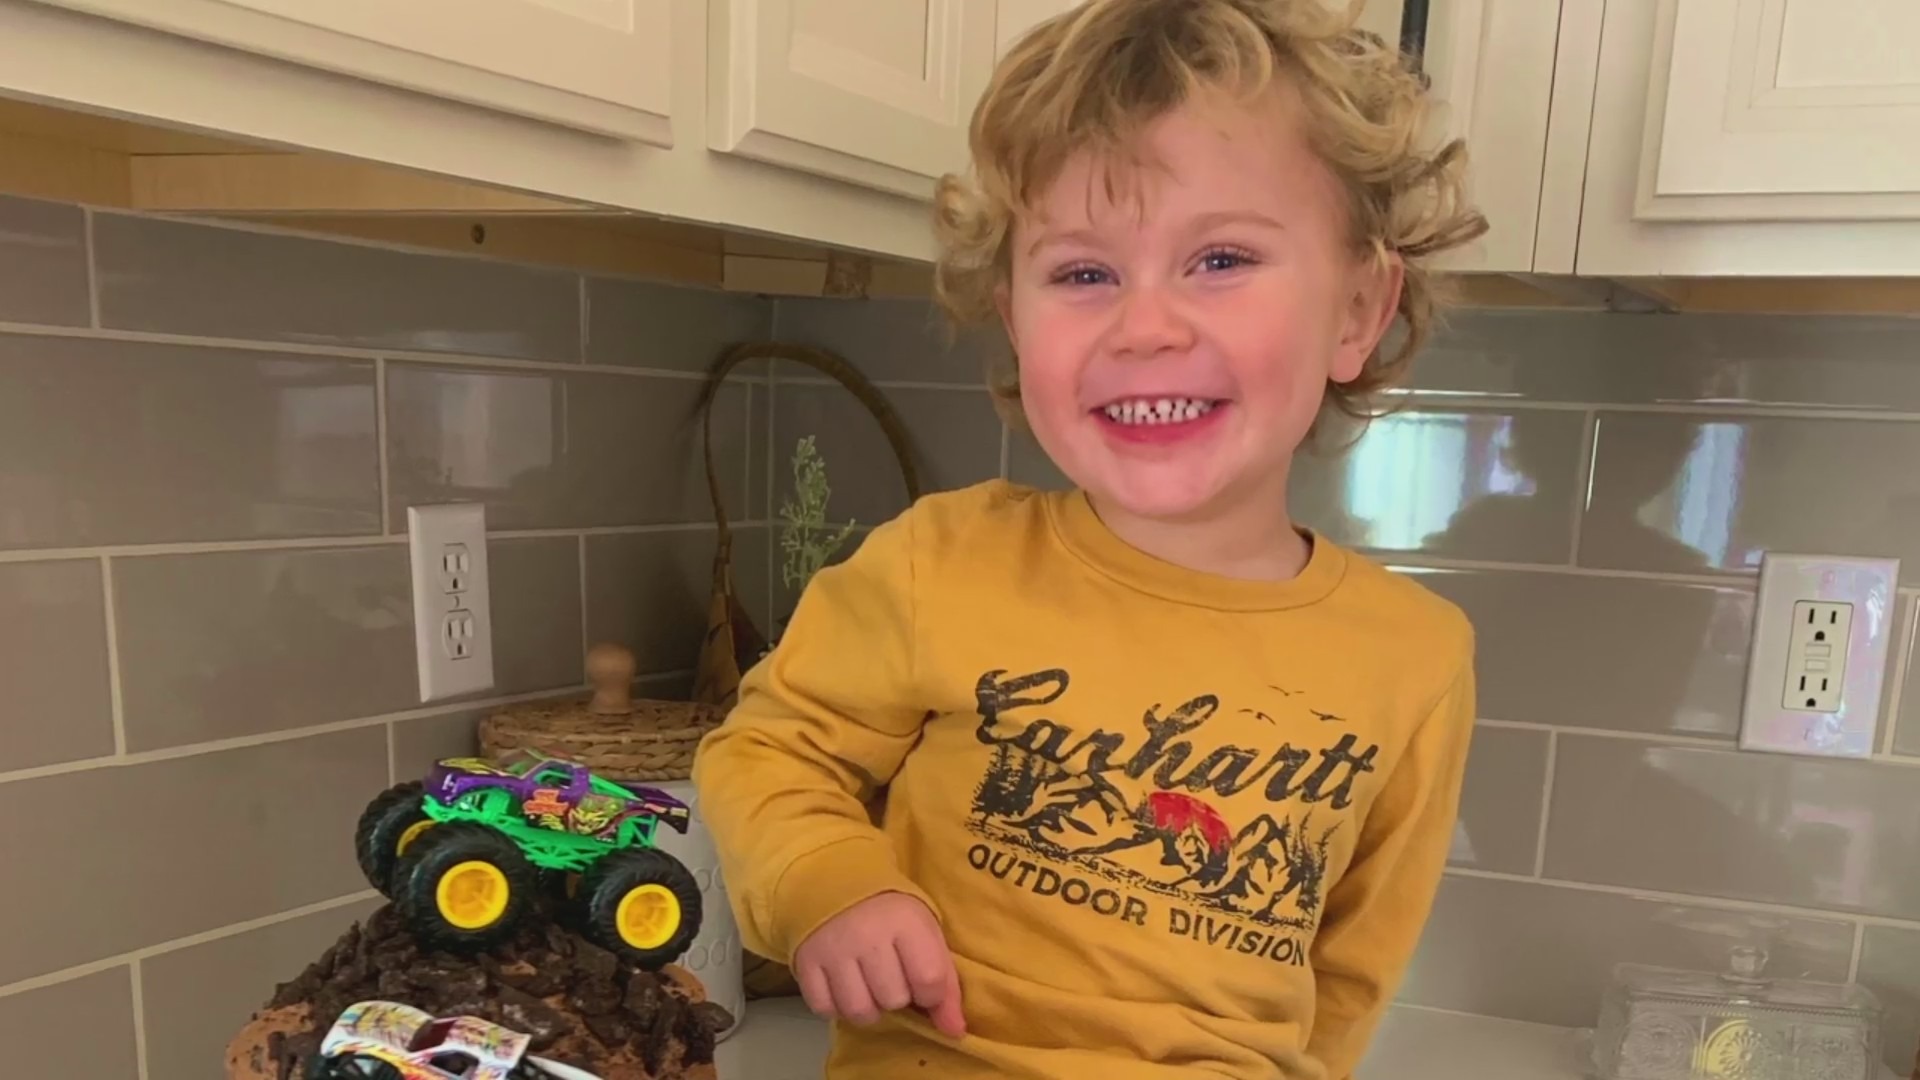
[805, 536]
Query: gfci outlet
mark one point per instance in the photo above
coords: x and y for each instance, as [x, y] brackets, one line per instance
[1823, 625]
[1817, 655]
[452, 613]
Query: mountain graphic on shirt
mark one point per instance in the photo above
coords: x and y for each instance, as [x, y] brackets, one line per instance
[1174, 843]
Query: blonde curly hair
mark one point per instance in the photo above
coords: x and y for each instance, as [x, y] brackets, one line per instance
[1093, 77]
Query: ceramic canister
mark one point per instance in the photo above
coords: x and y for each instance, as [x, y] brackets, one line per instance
[715, 955]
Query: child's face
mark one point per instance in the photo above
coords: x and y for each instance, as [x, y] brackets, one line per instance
[1174, 342]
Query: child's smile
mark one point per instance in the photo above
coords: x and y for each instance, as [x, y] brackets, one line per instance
[1160, 419]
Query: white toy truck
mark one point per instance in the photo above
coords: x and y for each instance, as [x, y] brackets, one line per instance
[385, 1040]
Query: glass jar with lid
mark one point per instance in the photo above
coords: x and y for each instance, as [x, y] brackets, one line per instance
[1660, 1023]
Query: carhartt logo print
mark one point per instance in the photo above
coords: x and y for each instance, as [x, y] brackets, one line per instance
[1228, 846]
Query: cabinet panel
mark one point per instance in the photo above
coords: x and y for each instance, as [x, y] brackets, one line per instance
[1491, 66]
[601, 66]
[1626, 230]
[879, 95]
[1016, 17]
[1783, 110]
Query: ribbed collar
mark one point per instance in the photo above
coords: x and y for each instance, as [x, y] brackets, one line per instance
[1082, 532]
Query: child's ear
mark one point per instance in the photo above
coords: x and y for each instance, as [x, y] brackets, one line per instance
[1371, 306]
[1003, 303]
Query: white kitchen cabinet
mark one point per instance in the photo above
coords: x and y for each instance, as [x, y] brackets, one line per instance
[601, 66]
[1491, 66]
[123, 67]
[1015, 17]
[1755, 137]
[875, 93]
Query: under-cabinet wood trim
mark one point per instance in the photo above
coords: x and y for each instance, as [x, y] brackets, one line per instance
[301, 183]
[40, 168]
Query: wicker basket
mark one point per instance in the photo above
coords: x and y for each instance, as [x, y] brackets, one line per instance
[611, 733]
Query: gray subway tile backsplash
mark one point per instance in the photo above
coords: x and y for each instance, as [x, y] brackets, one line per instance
[1716, 360]
[272, 827]
[1901, 684]
[102, 1041]
[1542, 952]
[546, 450]
[1498, 827]
[635, 451]
[1552, 646]
[1890, 967]
[650, 590]
[1838, 835]
[1486, 484]
[53, 663]
[669, 327]
[224, 645]
[118, 442]
[491, 436]
[43, 263]
[890, 340]
[536, 613]
[1694, 494]
[181, 277]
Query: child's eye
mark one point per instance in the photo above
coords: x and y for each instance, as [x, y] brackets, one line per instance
[1220, 259]
[1080, 275]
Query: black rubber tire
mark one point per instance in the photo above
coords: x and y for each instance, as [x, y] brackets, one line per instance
[417, 878]
[376, 839]
[351, 1067]
[618, 874]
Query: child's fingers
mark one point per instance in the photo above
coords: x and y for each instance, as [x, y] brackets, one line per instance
[930, 973]
[924, 958]
[947, 1016]
[885, 981]
[815, 990]
[850, 997]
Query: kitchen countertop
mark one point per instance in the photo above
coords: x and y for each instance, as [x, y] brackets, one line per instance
[781, 1040]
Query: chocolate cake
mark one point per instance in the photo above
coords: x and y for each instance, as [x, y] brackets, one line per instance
[581, 1004]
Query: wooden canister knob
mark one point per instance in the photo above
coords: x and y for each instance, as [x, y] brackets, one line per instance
[610, 670]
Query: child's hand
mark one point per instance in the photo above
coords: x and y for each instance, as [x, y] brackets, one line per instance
[884, 953]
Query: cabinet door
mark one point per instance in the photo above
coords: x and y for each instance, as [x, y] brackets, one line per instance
[1783, 110]
[1016, 17]
[1752, 137]
[876, 92]
[1491, 66]
[601, 66]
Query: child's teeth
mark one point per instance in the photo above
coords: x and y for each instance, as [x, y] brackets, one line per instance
[1158, 410]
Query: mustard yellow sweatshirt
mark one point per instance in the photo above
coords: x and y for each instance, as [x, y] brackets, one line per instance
[1172, 824]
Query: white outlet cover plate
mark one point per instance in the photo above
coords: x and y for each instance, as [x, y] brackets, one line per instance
[1852, 729]
[432, 532]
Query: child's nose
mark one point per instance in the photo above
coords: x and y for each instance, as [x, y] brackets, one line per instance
[1150, 323]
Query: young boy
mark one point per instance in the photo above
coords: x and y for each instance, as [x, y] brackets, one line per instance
[1170, 779]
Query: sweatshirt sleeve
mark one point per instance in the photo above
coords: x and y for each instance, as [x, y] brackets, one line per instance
[1375, 914]
[820, 725]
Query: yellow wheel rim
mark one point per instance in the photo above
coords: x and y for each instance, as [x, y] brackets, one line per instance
[647, 916]
[472, 895]
[413, 833]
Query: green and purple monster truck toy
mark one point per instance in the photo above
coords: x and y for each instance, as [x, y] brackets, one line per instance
[462, 855]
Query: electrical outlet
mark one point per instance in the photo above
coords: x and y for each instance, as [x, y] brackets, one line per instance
[452, 619]
[456, 634]
[455, 564]
[1823, 625]
[1817, 656]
